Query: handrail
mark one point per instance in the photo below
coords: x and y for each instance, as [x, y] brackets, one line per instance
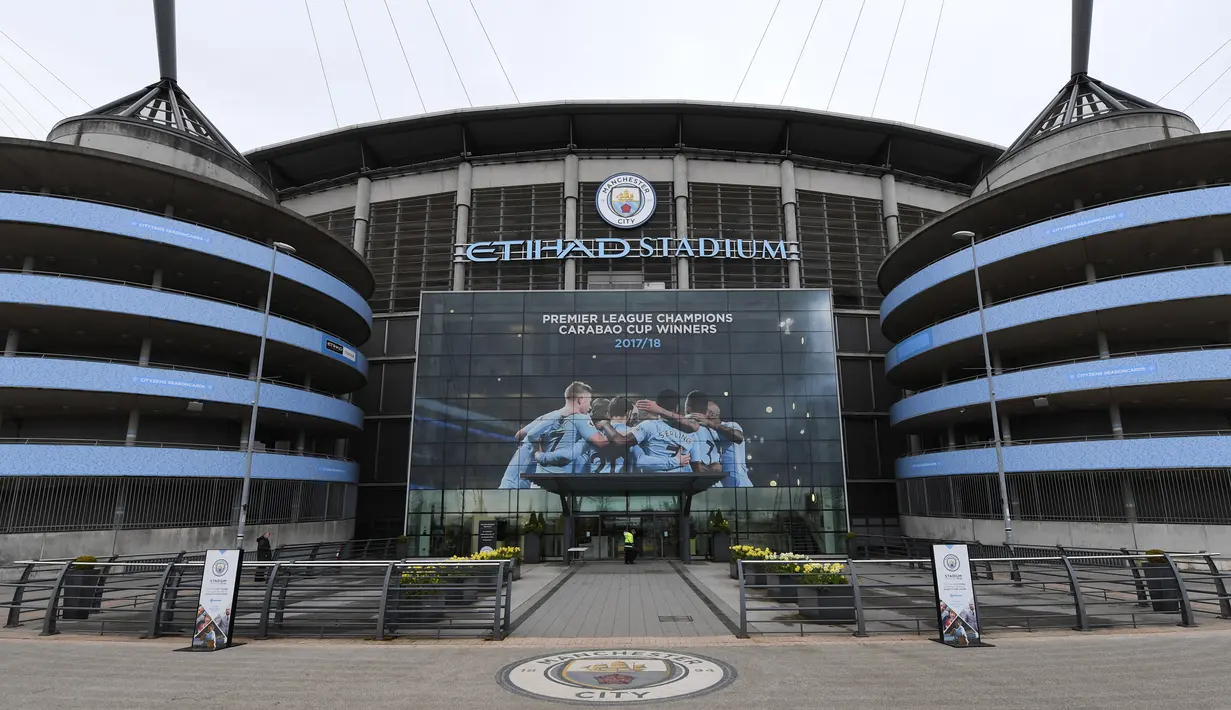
[1064, 439]
[1054, 289]
[178, 219]
[160, 289]
[1089, 358]
[178, 368]
[158, 445]
[1083, 208]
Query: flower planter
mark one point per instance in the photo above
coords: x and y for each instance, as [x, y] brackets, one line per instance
[834, 603]
[784, 591]
[532, 548]
[720, 545]
[1164, 591]
[516, 570]
[415, 609]
[82, 593]
[755, 575]
[734, 569]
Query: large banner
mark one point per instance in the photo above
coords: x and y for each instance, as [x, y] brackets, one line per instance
[512, 386]
[216, 607]
[956, 605]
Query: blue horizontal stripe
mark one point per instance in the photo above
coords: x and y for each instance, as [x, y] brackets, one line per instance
[1099, 220]
[56, 211]
[87, 376]
[67, 292]
[1102, 455]
[1178, 285]
[1155, 369]
[77, 460]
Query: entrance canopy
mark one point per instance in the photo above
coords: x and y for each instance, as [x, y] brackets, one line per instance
[592, 484]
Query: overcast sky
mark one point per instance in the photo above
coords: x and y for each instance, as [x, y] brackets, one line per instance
[252, 67]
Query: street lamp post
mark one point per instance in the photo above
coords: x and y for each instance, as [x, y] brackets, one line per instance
[256, 395]
[964, 236]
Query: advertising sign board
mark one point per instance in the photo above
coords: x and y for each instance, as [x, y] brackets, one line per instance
[956, 606]
[216, 604]
[487, 535]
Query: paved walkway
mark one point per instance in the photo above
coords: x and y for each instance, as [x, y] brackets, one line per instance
[1123, 671]
[611, 599]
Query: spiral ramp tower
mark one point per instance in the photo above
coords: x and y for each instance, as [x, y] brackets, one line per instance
[136, 246]
[1102, 235]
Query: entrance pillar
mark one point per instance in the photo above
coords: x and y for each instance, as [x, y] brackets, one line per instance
[685, 532]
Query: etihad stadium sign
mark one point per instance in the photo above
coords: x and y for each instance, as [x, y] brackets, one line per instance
[619, 248]
[627, 201]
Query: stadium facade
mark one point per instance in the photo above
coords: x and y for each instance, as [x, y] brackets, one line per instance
[1101, 247]
[137, 246]
[616, 315]
[748, 264]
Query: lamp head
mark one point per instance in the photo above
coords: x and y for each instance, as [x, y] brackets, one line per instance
[284, 247]
[964, 236]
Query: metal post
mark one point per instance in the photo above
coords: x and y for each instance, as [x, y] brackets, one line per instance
[499, 590]
[508, 606]
[991, 394]
[53, 602]
[1143, 599]
[156, 615]
[1079, 603]
[743, 601]
[384, 602]
[861, 628]
[256, 397]
[263, 627]
[1224, 604]
[1186, 606]
[1015, 572]
[19, 593]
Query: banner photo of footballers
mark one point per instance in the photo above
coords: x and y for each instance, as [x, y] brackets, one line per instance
[738, 385]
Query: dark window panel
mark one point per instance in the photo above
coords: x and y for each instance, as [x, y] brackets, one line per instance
[403, 333]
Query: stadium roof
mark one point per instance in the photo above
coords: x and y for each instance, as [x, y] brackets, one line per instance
[621, 128]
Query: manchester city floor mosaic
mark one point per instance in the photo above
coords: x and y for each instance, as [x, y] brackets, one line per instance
[616, 676]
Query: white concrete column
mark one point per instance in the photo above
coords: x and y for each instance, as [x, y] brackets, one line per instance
[1104, 350]
[889, 209]
[156, 282]
[307, 380]
[997, 368]
[1218, 257]
[134, 420]
[790, 220]
[27, 265]
[168, 210]
[11, 342]
[1078, 205]
[146, 345]
[679, 170]
[1117, 426]
[571, 189]
[363, 210]
[252, 365]
[1091, 276]
[339, 448]
[1130, 499]
[1006, 434]
[464, 181]
[300, 439]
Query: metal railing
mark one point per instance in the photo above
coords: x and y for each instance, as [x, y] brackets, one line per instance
[373, 549]
[163, 445]
[158, 597]
[1072, 438]
[1018, 591]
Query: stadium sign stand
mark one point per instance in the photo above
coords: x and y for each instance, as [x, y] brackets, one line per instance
[957, 607]
[211, 630]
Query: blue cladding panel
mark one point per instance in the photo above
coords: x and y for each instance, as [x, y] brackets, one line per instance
[71, 460]
[1106, 455]
[1119, 293]
[93, 295]
[1147, 210]
[40, 209]
[1160, 368]
[85, 376]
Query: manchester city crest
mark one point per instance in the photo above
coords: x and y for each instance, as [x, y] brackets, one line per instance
[625, 200]
[616, 676]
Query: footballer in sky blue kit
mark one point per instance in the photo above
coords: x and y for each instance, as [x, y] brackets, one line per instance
[523, 462]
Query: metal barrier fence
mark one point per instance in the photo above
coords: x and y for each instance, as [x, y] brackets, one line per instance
[158, 597]
[373, 549]
[1020, 592]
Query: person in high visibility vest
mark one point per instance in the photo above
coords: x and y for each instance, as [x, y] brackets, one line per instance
[629, 551]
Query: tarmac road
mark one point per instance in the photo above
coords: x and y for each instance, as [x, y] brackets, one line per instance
[1171, 668]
